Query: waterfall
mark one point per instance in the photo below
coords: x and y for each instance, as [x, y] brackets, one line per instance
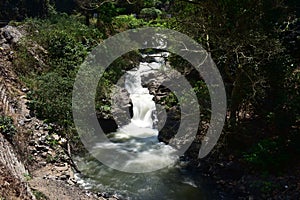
[143, 105]
[140, 137]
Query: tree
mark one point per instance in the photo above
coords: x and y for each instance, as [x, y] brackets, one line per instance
[103, 9]
[20, 9]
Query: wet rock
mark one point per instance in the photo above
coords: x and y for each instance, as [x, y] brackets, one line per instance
[108, 125]
[170, 127]
[121, 104]
[105, 194]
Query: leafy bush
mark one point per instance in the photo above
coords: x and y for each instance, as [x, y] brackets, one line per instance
[51, 98]
[24, 62]
[7, 127]
[67, 43]
[65, 53]
[42, 31]
[150, 13]
[124, 22]
[67, 46]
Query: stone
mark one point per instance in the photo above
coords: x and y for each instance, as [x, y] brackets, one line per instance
[63, 177]
[44, 154]
[32, 149]
[11, 34]
[21, 122]
[37, 126]
[27, 120]
[6, 183]
[105, 194]
[45, 126]
[121, 105]
[51, 153]
[27, 116]
[62, 141]
[55, 137]
[25, 90]
[42, 148]
[70, 182]
[43, 163]
[64, 168]
[42, 139]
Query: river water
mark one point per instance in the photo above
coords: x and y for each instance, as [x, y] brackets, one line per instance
[140, 136]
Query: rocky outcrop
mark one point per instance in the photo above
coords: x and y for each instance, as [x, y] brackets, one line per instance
[121, 104]
[9, 106]
[16, 169]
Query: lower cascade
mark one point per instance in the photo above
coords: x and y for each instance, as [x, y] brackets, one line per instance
[140, 137]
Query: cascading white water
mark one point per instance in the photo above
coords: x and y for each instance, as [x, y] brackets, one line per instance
[143, 105]
[140, 137]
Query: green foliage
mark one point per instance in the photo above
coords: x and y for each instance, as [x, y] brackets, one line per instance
[7, 127]
[269, 155]
[51, 98]
[151, 3]
[169, 101]
[67, 45]
[253, 43]
[124, 22]
[39, 195]
[150, 13]
[108, 11]
[67, 42]
[43, 31]
[24, 62]
[65, 53]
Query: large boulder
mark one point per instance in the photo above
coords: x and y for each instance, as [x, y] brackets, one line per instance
[10, 35]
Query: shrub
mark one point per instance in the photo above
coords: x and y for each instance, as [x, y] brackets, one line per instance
[7, 127]
[150, 13]
[51, 98]
[124, 22]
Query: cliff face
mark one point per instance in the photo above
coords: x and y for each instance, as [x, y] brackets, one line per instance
[13, 172]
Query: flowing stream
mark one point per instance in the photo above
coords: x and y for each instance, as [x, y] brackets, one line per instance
[140, 136]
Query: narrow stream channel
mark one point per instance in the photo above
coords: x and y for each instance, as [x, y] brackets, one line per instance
[140, 136]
